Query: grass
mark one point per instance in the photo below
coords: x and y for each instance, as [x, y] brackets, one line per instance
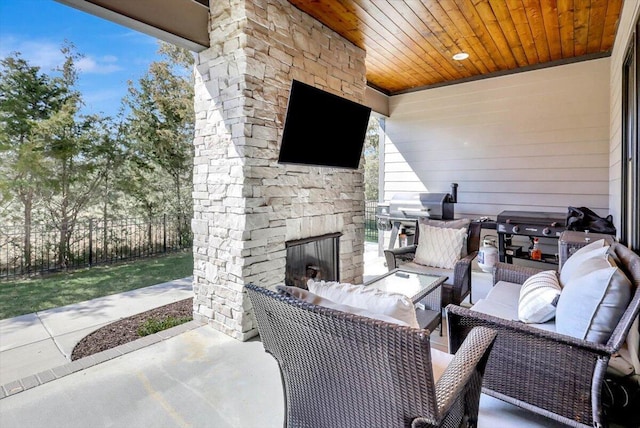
[154, 325]
[25, 296]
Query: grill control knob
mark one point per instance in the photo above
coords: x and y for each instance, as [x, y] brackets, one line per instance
[516, 229]
[546, 231]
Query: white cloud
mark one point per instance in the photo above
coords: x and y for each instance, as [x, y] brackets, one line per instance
[101, 66]
[47, 56]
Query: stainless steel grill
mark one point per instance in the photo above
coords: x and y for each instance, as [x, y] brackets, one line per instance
[404, 210]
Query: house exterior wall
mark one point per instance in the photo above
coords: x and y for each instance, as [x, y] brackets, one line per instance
[246, 205]
[535, 141]
[628, 19]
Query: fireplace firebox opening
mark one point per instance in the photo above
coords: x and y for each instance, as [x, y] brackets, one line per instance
[315, 257]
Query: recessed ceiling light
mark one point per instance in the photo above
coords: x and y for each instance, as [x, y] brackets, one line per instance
[460, 56]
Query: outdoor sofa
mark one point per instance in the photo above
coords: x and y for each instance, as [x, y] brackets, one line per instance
[539, 366]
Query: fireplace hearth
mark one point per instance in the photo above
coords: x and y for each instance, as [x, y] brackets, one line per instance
[315, 257]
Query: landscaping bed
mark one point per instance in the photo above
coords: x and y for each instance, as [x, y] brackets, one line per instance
[134, 327]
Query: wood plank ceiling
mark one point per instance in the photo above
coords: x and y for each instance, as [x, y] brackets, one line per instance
[410, 43]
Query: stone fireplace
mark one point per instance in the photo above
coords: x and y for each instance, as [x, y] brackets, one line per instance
[246, 205]
[312, 258]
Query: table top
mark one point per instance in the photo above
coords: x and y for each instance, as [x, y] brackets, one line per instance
[412, 284]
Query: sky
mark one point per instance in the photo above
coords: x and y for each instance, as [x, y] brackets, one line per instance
[113, 54]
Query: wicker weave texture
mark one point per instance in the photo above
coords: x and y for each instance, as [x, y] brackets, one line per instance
[458, 286]
[343, 370]
[552, 374]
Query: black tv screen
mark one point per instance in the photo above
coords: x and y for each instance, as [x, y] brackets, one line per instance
[322, 129]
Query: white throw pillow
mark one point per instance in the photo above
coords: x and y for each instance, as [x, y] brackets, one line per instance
[448, 224]
[309, 297]
[538, 297]
[591, 304]
[394, 305]
[595, 249]
[439, 247]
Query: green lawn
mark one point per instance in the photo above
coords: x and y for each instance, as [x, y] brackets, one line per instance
[36, 294]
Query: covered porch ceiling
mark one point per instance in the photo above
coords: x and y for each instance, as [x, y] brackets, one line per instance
[410, 44]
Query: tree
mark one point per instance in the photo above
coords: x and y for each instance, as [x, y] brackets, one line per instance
[160, 131]
[371, 163]
[74, 147]
[27, 98]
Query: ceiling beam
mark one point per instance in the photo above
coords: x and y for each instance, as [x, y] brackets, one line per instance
[184, 23]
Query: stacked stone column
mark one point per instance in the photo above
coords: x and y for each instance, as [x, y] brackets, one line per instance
[246, 205]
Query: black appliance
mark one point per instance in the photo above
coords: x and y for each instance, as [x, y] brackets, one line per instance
[404, 210]
[527, 223]
[322, 129]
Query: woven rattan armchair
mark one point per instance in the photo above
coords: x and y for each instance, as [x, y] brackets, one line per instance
[458, 284]
[341, 370]
[555, 375]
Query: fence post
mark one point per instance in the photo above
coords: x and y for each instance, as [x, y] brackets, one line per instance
[90, 242]
[164, 233]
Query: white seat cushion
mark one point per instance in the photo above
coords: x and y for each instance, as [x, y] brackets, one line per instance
[439, 363]
[506, 293]
[496, 309]
[502, 302]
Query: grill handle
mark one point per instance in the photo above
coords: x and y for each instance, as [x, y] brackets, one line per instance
[413, 210]
[454, 193]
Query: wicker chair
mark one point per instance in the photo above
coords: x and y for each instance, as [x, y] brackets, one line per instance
[458, 284]
[552, 374]
[341, 370]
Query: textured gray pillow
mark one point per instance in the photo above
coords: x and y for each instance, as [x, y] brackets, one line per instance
[439, 246]
[591, 305]
[447, 224]
[450, 224]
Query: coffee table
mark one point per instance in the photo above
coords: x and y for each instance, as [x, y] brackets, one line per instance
[424, 290]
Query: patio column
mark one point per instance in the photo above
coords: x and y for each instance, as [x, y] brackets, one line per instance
[246, 205]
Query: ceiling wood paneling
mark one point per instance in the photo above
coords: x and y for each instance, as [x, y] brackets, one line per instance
[410, 44]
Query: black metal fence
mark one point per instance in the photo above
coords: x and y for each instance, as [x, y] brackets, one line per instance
[54, 247]
[370, 226]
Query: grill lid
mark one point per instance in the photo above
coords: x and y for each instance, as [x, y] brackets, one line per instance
[532, 217]
[416, 205]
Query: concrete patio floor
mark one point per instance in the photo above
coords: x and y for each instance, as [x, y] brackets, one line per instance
[196, 377]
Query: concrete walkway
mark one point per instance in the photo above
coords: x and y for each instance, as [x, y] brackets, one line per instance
[36, 348]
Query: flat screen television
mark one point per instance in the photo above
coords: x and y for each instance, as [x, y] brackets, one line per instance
[322, 129]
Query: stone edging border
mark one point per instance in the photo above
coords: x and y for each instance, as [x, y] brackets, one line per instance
[49, 375]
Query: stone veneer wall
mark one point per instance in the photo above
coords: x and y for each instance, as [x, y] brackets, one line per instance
[246, 205]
